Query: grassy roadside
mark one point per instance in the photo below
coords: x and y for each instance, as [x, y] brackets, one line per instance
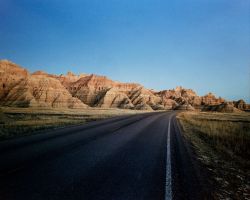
[222, 143]
[24, 121]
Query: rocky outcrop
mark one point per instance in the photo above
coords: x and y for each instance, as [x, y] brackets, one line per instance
[210, 99]
[90, 89]
[143, 98]
[184, 107]
[225, 107]
[20, 88]
[169, 104]
[179, 96]
[240, 104]
[143, 106]
[69, 78]
[247, 107]
[37, 90]
[100, 91]
[113, 98]
[40, 91]
[10, 76]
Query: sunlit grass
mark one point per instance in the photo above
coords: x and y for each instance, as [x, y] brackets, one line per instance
[22, 121]
[221, 141]
[231, 131]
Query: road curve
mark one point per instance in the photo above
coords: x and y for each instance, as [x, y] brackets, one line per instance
[123, 158]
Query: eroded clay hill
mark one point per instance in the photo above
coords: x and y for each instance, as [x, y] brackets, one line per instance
[20, 88]
[99, 91]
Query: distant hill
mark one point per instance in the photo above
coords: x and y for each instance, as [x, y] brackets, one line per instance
[19, 88]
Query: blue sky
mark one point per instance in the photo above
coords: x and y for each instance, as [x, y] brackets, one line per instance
[199, 44]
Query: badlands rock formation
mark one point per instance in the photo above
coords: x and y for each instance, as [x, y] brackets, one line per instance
[10, 76]
[226, 107]
[20, 88]
[100, 91]
[113, 98]
[241, 104]
[172, 99]
[210, 99]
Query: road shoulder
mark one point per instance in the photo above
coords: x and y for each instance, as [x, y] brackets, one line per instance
[214, 138]
[191, 176]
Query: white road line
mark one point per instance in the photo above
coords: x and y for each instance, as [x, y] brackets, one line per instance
[168, 189]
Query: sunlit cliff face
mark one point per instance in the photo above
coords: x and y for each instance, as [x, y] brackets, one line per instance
[22, 89]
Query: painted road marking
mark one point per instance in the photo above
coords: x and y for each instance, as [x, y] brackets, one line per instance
[168, 191]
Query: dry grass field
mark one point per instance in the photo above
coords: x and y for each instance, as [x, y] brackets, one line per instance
[23, 121]
[222, 143]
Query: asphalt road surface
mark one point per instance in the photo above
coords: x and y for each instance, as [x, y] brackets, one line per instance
[123, 158]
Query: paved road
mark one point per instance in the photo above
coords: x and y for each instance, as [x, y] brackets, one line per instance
[122, 158]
